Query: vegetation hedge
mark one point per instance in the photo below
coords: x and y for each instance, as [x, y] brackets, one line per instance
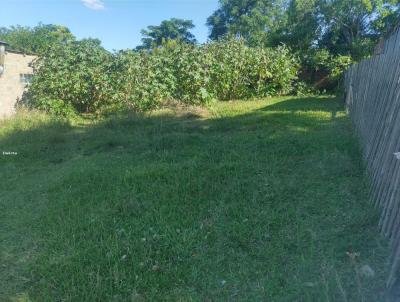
[81, 76]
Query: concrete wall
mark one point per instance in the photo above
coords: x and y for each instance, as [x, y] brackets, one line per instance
[11, 86]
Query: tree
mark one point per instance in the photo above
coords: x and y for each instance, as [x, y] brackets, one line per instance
[36, 39]
[301, 29]
[253, 20]
[173, 29]
[353, 27]
[343, 27]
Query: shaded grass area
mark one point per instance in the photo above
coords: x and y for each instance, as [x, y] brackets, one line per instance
[254, 201]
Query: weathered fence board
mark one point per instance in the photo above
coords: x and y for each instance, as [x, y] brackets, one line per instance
[373, 102]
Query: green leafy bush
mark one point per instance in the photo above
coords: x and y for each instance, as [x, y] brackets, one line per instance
[72, 77]
[323, 70]
[84, 77]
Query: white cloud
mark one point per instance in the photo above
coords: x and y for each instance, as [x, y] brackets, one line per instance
[94, 4]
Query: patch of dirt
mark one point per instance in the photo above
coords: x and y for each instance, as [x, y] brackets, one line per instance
[186, 111]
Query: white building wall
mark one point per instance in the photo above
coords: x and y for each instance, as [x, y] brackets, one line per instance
[11, 83]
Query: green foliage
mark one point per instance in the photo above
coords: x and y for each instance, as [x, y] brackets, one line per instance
[349, 25]
[55, 106]
[243, 72]
[343, 27]
[348, 30]
[328, 68]
[301, 29]
[75, 76]
[174, 29]
[323, 60]
[253, 20]
[85, 77]
[304, 89]
[36, 39]
[144, 81]
[338, 65]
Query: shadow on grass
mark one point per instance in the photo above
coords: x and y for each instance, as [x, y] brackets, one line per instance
[325, 104]
[56, 141]
[258, 206]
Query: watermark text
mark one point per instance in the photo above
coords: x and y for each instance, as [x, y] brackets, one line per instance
[10, 153]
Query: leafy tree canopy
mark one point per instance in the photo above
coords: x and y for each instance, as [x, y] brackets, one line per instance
[250, 19]
[352, 27]
[173, 29]
[36, 39]
[343, 27]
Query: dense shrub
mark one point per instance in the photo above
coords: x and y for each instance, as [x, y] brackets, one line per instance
[72, 77]
[322, 70]
[83, 77]
[240, 72]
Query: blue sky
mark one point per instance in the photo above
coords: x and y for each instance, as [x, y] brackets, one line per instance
[117, 23]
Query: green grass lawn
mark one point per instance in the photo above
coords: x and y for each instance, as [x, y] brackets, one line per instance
[250, 201]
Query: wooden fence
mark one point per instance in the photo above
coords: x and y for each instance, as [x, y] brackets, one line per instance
[373, 101]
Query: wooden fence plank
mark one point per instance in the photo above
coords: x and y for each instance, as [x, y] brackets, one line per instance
[373, 102]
